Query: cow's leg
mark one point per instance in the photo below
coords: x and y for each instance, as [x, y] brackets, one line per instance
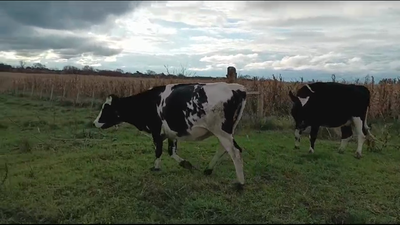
[297, 136]
[347, 133]
[235, 152]
[218, 154]
[358, 125]
[158, 143]
[172, 150]
[313, 137]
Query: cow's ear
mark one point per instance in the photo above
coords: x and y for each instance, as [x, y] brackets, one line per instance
[112, 98]
[292, 97]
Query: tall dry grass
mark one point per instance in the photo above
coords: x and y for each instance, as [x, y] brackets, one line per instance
[385, 102]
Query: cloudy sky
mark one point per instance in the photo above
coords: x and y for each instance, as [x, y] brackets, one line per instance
[295, 39]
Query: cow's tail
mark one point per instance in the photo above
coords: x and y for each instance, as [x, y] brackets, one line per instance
[367, 128]
[239, 110]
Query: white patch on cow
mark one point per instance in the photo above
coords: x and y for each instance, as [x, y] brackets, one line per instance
[309, 88]
[234, 153]
[360, 135]
[96, 121]
[157, 163]
[303, 101]
[175, 156]
[218, 154]
[165, 129]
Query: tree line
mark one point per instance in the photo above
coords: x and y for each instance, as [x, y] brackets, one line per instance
[89, 70]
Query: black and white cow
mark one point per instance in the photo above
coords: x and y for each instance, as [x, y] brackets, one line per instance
[187, 112]
[332, 104]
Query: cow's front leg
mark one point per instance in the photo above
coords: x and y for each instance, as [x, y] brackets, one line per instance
[313, 137]
[172, 151]
[297, 136]
[358, 125]
[158, 143]
[347, 133]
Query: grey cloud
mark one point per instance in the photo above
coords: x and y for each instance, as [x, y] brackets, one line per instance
[63, 14]
[68, 46]
[19, 22]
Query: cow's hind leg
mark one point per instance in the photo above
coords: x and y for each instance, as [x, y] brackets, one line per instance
[297, 137]
[313, 137]
[172, 151]
[347, 133]
[158, 143]
[235, 152]
[218, 155]
[358, 125]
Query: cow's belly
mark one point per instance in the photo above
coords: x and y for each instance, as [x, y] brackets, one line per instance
[337, 123]
[197, 133]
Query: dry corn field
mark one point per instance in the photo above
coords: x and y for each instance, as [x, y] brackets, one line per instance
[385, 102]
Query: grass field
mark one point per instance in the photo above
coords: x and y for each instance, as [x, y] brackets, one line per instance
[61, 170]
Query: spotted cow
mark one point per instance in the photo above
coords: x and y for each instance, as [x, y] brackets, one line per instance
[187, 112]
[331, 104]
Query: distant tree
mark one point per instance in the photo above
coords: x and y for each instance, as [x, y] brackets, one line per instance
[22, 64]
[38, 66]
[150, 72]
[71, 69]
[5, 67]
[87, 68]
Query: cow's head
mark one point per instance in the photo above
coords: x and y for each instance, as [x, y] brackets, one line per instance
[299, 105]
[108, 115]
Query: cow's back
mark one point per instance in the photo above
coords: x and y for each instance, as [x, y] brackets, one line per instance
[186, 105]
[335, 100]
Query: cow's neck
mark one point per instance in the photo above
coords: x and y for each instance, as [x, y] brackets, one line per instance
[136, 110]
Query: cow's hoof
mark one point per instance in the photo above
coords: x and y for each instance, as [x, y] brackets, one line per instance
[238, 186]
[155, 169]
[208, 172]
[186, 164]
[340, 151]
[357, 155]
[311, 151]
[296, 147]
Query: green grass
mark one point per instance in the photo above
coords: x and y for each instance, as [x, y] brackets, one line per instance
[61, 170]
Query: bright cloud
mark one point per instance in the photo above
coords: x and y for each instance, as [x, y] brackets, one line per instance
[308, 39]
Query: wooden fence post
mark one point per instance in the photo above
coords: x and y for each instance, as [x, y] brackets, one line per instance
[91, 106]
[260, 105]
[15, 87]
[33, 87]
[231, 74]
[77, 96]
[51, 92]
[41, 93]
[64, 89]
[24, 89]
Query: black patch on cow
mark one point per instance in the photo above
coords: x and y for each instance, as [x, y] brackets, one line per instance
[346, 132]
[139, 110]
[237, 146]
[232, 109]
[176, 108]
